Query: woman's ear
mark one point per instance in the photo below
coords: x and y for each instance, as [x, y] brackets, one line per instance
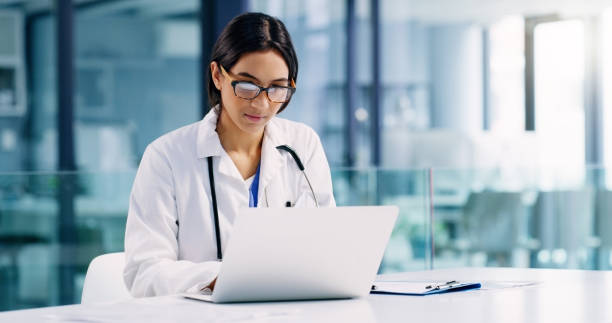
[216, 75]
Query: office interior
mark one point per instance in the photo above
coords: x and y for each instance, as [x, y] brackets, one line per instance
[489, 123]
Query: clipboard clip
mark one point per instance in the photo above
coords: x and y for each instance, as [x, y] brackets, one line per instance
[447, 285]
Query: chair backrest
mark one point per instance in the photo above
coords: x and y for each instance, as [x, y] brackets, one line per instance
[604, 217]
[493, 220]
[104, 280]
[565, 219]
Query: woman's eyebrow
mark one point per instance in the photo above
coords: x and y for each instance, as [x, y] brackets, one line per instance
[256, 79]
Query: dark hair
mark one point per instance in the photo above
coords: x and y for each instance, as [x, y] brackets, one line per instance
[246, 33]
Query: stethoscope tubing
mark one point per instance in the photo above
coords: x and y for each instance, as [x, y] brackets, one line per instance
[213, 192]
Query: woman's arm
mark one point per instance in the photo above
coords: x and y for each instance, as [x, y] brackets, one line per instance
[151, 245]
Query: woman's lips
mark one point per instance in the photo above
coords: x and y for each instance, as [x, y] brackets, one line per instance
[253, 118]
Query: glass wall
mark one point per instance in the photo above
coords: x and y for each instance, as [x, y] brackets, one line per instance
[468, 109]
[455, 84]
[13, 84]
[136, 77]
[32, 256]
[406, 85]
[486, 223]
[479, 218]
[409, 247]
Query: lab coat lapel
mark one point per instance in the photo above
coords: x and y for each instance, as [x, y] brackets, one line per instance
[209, 144]
[271, 161]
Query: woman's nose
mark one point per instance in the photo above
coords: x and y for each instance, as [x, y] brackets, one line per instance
[261, 101]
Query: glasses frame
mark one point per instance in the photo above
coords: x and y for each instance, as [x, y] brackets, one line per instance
[234, 82]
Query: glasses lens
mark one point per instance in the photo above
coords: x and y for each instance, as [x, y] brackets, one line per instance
[279, 94]
[246, 90]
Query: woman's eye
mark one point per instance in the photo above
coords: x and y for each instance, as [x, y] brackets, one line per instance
[278, 90]
[247, 86]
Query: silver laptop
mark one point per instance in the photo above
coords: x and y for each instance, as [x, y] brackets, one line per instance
[302, 253]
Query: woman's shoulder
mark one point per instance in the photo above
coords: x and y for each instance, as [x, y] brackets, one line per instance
[293, 128]
[177, 140]
[295, 134]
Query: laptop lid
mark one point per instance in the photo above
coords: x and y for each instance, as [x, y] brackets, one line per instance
[303, 253]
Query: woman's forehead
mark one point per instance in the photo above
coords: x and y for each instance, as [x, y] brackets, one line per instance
[265, 66]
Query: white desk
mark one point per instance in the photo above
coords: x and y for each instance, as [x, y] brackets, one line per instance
[557, 296]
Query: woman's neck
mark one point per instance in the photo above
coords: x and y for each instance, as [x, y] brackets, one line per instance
[234, 140]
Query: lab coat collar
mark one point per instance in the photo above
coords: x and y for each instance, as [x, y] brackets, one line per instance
[209, 144]
[271, 158]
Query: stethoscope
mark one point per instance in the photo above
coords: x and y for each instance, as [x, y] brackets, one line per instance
[213, 192]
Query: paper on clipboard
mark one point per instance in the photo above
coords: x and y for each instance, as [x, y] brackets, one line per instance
[421, 288]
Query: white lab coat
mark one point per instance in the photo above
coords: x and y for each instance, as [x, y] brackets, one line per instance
[170, 235]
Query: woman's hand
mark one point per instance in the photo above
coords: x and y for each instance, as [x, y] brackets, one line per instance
[210, 287]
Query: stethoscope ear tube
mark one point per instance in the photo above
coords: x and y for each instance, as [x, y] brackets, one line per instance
[290, 150]
[298, 161]
[213, 194]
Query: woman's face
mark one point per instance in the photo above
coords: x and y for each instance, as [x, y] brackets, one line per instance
[263, 68]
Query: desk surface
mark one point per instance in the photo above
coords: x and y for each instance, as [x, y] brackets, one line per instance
[553, 296]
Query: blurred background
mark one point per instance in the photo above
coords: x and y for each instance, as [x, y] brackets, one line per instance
[489, 123]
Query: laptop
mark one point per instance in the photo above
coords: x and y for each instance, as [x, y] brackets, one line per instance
[278, 254]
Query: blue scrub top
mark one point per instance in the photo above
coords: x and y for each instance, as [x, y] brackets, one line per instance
[254, 189]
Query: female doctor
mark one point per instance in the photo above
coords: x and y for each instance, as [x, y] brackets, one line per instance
[193, 181]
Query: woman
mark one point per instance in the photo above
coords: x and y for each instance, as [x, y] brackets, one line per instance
[240, 150]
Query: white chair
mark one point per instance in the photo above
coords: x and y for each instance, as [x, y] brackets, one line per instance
[104, 280]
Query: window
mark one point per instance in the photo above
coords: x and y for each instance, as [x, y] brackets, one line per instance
[559, 49]
[507, 68]
[136, 68]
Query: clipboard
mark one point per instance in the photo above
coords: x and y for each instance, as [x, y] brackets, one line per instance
[421, 288]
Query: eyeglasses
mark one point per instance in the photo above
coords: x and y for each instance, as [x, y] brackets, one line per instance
[249, 91]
